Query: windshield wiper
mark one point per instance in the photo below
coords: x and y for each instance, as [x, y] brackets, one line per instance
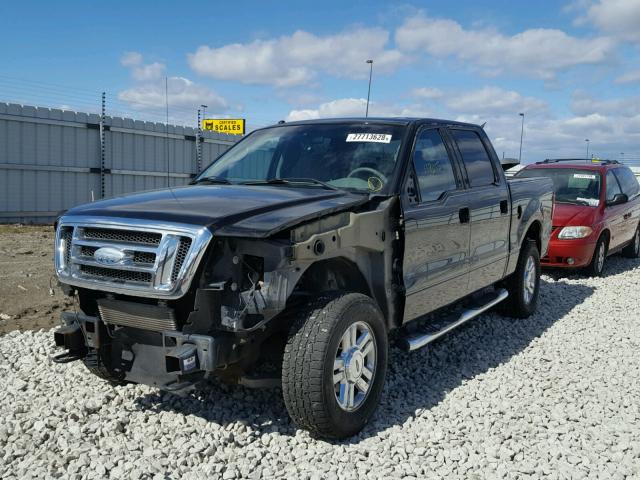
[210, 180]
[291, 181]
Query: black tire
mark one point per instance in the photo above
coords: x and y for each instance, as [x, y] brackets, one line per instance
[523, 295]
[599, 259]
[633, 249]
[315, 341]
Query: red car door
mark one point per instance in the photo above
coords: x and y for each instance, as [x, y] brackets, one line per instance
[614, 214]
[630, 187]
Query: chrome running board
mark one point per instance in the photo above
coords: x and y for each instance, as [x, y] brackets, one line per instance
[417, 340]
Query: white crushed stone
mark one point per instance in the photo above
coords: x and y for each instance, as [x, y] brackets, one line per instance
[555, 396]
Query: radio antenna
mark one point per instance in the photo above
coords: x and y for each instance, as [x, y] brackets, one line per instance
[166, 126]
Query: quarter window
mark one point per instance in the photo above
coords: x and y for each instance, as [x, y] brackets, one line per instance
[612, 186]
[433, 166]
[474, 155]
[628, 181]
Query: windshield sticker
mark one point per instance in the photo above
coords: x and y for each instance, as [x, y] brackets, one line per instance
[584, 175]
[369, 137]
[592, 202]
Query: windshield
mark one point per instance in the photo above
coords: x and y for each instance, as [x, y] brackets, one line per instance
[580, 187]
[353, 156]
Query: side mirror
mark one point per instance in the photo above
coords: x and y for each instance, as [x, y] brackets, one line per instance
[618, 199]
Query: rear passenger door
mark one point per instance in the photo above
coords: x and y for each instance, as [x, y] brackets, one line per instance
[490, 209]
[436, 219]
[631, 209]
[614, 214]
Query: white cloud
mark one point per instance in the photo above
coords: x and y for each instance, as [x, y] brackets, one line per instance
[620, 18]
[495, 101]
[140, 71]
[539, 52]
[427, 93]
[183, 93]
[130, 59]
[152, 71]
[296, 59]
[355, 107]
[629, 77]
[584, 105]
[593, 124]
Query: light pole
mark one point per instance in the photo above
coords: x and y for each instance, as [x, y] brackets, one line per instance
[587, 140]
[521, 135]
[370, 62]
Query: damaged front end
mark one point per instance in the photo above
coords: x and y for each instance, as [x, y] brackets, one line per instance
[171, 315]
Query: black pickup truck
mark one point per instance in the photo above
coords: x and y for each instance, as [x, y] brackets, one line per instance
[292, 257]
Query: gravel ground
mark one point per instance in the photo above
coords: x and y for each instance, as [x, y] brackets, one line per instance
[26, 267]
[554, 396]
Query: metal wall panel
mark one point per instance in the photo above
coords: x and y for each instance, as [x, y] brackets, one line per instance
[50, 159]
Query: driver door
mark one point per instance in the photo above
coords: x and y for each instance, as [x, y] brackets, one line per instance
[437, 228]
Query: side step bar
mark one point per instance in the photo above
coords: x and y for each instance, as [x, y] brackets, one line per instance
[418, 340]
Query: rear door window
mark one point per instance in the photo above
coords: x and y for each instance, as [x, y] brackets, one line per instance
[475, 157]
[433, 166]
[628, 181]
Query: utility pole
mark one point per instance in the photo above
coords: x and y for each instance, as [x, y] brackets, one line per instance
[587, 140]
[198, 135]
[370, 62]
[201, 139]
[521, 135]
[102, 145]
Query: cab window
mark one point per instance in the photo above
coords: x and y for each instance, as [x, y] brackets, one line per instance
[613, 188]
[628, 181]
[433, 166]
[475, 158]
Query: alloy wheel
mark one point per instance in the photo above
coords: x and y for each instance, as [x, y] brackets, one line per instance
[529, 280]
[354, 366]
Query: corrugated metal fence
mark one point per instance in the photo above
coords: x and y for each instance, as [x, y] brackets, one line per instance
[51, 159]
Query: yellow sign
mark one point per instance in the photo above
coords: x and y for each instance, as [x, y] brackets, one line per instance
[232, 126]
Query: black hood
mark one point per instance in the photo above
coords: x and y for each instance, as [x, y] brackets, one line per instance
[230, 210]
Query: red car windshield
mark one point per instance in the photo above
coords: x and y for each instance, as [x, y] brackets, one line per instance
[572, 185]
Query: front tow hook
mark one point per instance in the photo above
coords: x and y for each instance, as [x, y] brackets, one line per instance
[71, 338]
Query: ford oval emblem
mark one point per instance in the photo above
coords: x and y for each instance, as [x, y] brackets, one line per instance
[109, 256]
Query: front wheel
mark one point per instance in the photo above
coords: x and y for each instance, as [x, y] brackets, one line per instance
[523, 285]
[596, 267]
[334, 365]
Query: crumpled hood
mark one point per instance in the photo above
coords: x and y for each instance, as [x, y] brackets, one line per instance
[233, 210]
[573, 215]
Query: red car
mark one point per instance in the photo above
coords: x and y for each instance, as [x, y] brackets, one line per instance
[596, 212]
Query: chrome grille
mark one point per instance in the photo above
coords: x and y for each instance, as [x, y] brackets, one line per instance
[144, 257]
[116, 275]
[181, 255]
[66, 236]
[129, 256]
[126, 236]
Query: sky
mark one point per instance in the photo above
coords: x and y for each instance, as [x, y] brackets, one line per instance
[572, 67]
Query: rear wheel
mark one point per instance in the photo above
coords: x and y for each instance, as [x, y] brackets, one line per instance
[596, 267]
[523, 285]
[334, 365]
[633, 249]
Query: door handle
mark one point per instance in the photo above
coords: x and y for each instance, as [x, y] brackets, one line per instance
[504, 206]
[626, 216]
[463, 213]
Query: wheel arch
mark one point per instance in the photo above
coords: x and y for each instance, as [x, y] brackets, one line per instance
[335, 273]
[534, 232]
